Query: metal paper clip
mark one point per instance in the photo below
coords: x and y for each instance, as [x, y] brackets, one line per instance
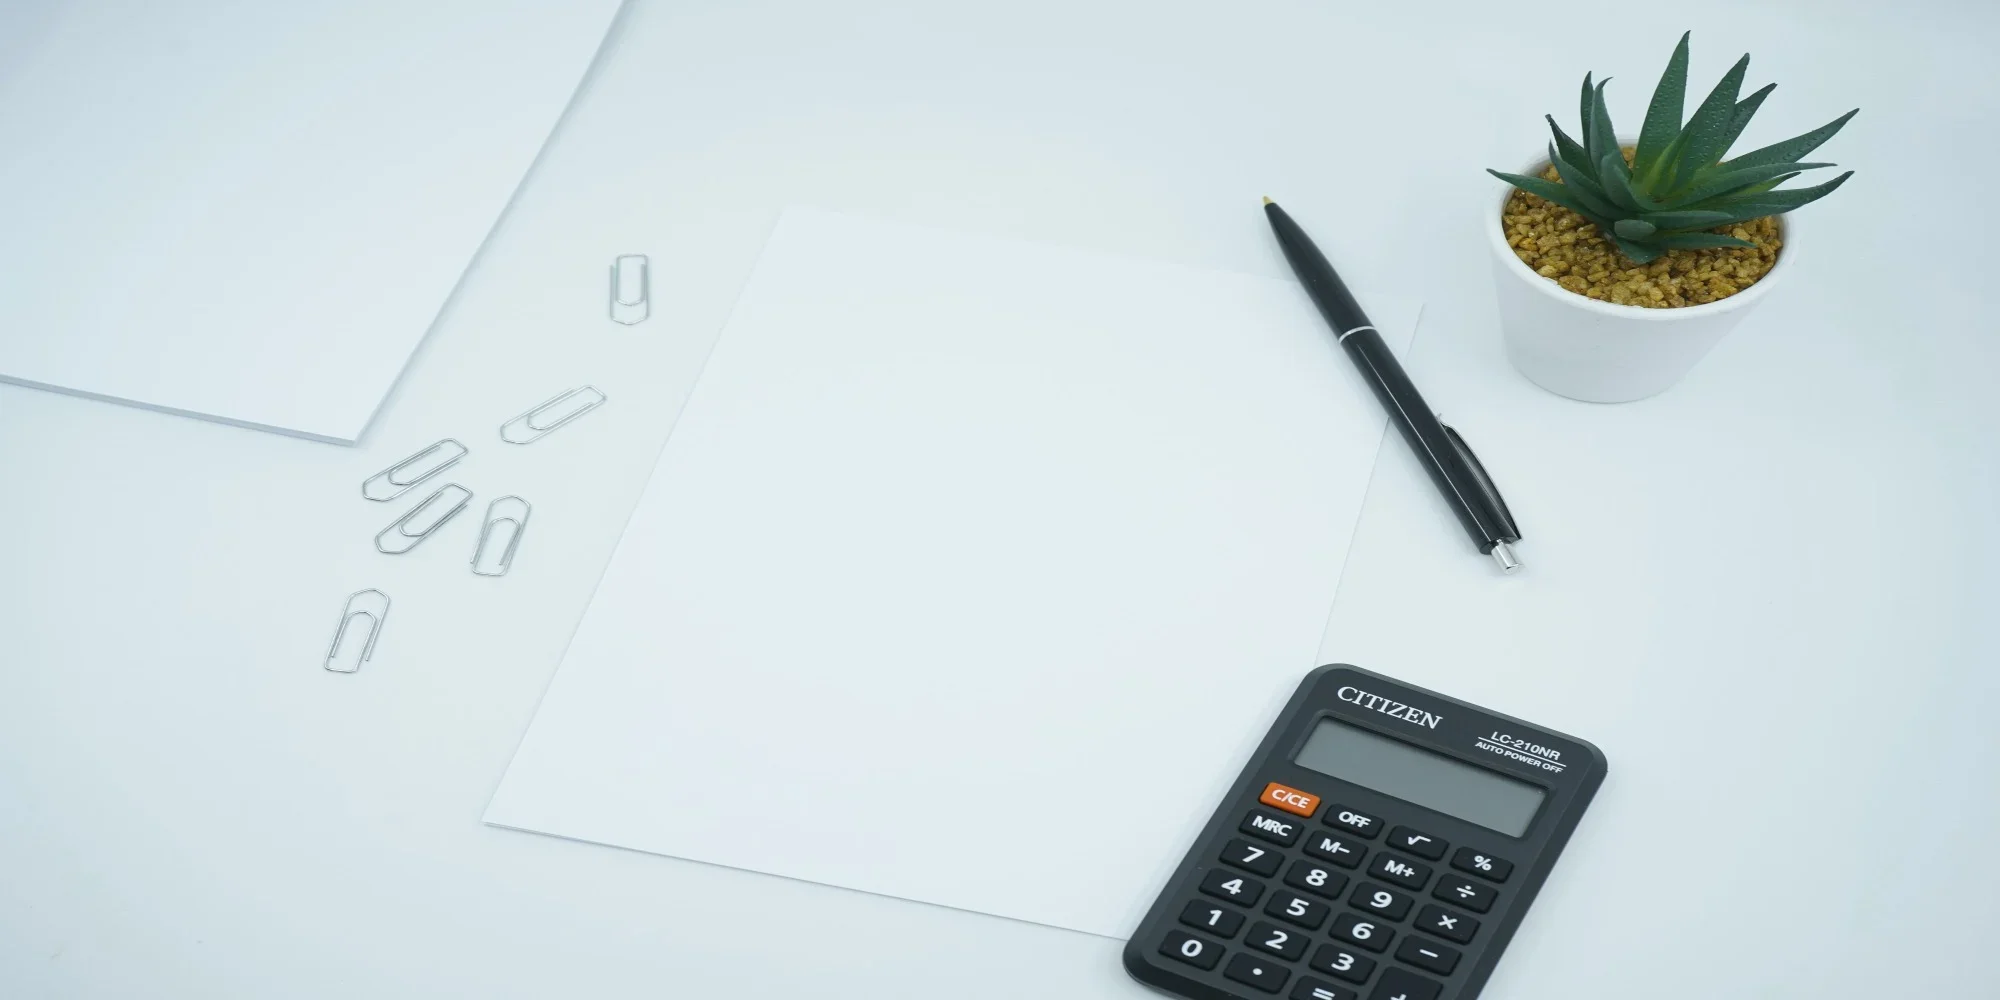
[517, 525]
[404, 476]
[348, 613]
[426, 517]
[631, 288]
[552, 413]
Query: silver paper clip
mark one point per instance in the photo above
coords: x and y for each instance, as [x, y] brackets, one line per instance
[404, 476]
[552, 413]
[348, 613]
[631, 288]
[495, 517]
[426, 518]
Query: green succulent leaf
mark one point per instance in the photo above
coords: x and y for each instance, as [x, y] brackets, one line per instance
[1777, 202]
[1600, 138]
[1663, 115]
[1791, 149]
[1583, 120]
[1554, 192]
[1617, 181]
[1568, 148]
[1716, 182]
[1707, 132]
[1740, 118]
[1584, 187]
[1685, 220]
[1697, 241]
[1637, 230]
[1638, 253]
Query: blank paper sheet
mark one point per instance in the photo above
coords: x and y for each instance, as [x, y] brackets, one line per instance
[971, 574]
[252, 211]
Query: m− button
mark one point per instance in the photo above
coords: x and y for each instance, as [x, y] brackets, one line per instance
[1336, 849]
[1272, 827]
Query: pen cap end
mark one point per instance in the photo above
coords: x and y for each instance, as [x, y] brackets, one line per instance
[1503, 553]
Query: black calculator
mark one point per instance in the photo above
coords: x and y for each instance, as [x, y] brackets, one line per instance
[1383, 844]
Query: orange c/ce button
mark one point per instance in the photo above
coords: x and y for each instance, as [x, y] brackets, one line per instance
[1290, 800]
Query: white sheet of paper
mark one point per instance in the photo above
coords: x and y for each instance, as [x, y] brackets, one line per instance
[971, 573]
[253, 211]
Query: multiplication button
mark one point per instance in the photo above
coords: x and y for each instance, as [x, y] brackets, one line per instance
[1446, 924]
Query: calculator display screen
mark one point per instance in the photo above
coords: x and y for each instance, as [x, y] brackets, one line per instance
[1431, 780]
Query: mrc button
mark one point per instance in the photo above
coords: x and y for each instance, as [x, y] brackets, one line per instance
[1289, 799]
[1272, 827]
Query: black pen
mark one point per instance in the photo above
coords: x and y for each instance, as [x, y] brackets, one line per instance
[1452, 466]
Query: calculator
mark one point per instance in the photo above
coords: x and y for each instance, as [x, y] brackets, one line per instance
[1383, 844]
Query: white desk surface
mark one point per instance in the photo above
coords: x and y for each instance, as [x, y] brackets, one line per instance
[1767, 594]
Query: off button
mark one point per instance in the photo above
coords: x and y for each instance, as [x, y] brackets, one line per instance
[1289, 799]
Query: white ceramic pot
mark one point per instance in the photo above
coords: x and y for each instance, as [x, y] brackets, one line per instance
[1600, 352]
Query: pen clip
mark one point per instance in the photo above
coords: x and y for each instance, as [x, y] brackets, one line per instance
[1482, 485]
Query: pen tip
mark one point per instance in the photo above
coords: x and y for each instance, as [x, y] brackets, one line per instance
[1267, 199]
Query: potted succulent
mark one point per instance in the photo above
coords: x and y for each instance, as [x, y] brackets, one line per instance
[1619, 265]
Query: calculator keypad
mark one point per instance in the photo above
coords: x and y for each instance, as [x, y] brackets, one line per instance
[1402, 871]
[1336, 849]
[1319, 880]
[1281, 941]
[1217, 920]
[1236, 888]
[1351, 924]
[1484, 865]
[1184, 947]
[1465, 892]
[1380, 901]
[1353, 821]
[1363, 931]
[1298, 910]
[1272, 827]
[1401, 984]
[1257, 972]
[1446, 924]
[1313, 989]
[1416, 842]
[1251, 858]
[1428, 955]
[1343, 963]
